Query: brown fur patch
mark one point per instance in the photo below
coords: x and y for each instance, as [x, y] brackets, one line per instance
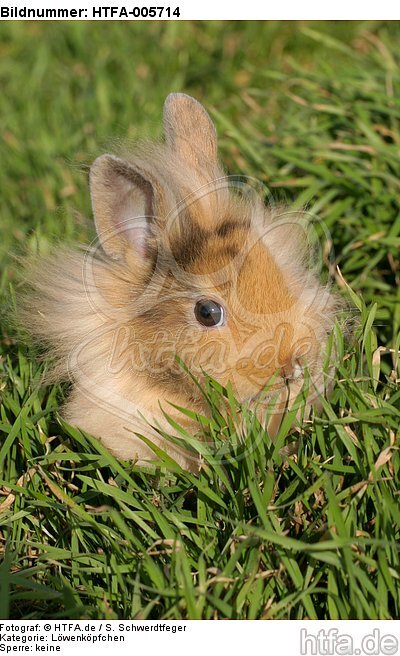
[268, 292]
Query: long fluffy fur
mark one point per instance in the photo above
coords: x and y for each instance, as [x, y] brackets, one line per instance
[113, 325]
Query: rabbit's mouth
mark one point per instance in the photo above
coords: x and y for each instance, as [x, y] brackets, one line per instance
[287, 375]
[282, 387]
[294, 373]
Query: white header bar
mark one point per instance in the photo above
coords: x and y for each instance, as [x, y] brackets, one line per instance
[198, 10]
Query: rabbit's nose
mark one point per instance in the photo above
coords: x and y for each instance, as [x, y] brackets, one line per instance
[292, 371]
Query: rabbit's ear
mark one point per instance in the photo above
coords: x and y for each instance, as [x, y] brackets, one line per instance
[125, 201]
[189, 131]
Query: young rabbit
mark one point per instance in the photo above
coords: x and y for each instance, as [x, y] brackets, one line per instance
[187, 267]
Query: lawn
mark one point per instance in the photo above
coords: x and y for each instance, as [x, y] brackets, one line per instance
[312, 110]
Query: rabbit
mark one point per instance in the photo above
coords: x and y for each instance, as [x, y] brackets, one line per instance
[184, 266]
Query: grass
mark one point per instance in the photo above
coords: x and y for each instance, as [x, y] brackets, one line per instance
[313, 111]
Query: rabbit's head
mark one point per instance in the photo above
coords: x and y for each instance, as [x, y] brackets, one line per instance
[208, 273]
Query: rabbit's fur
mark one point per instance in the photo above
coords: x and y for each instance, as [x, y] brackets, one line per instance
[172, 233]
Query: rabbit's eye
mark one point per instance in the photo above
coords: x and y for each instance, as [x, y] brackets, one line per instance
[209, 313]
